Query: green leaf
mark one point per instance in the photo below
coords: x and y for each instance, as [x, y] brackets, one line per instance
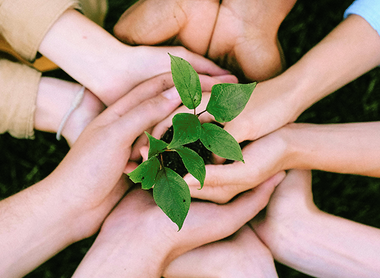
[193, 163]
[171, 193]
[146, 173]
[186, 81]
[228, 100]
[220, 142]
[187, 129]
[156, 146]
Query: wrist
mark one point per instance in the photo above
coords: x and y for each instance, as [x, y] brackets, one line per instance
[146, 256]
[97, 54]
[54, 100]
[293, 242]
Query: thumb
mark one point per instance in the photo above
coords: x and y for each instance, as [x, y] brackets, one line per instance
[146, 115]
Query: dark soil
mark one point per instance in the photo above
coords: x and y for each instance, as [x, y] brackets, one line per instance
[173, 161]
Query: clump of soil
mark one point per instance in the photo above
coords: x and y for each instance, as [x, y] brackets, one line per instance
[173, 161]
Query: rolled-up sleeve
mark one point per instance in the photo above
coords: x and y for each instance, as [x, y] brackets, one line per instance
[24, 23]
[18, 95]
[367, 9]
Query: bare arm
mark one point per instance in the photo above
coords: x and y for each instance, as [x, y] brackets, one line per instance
[107, 67]
[349, 51]
[311, 241]
[343, 148]
[73, 201]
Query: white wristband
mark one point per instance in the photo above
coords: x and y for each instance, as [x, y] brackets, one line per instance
[77, 100]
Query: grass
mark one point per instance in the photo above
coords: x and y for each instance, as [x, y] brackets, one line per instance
[25, 162]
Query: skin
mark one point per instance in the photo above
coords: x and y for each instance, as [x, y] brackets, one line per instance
[50, 108]
[314, 242]
[295, 146]
[279, 101]
[77, 194]
[102, 62]
[321, 71]
[250, 26]
[139, 240]
[241, 255]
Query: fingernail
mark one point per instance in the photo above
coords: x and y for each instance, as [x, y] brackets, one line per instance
[171, 94]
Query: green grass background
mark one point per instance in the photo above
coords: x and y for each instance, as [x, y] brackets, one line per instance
[25, 162]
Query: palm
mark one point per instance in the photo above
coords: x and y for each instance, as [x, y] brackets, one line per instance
[178, 22]
[239, 35]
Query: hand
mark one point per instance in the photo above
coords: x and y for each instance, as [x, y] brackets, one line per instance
[107, 67]
[83, 189]
[51, 108]
[106, 143]
[242, 255]
[290, 204]
[138, 239]
[263, 158]
[251, 50]
[206, 84]
[316, 243]
[176, 23]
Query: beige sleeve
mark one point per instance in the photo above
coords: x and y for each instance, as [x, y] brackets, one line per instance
[24, 23]
[18, 95]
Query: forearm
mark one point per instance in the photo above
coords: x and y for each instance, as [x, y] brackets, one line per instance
[343, 148]
[324, 245]
[144, 257]
[350, 50]
[35, 225]
[85, 51]
[54, 99]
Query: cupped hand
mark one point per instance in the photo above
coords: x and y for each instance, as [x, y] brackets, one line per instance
[186, 22]
[91, 173]
[239, 35]
[291, 205]
[264, 158]
[241, 255]
[206, 84]
[137, 238]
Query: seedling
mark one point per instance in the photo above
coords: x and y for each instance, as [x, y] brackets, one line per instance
[170, 191]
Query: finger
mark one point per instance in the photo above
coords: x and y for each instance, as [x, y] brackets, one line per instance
[142, 24]
[297, 184]
[208, 81]
[142, 92]
[222, 182]
[198, 62]
[145, 115]
[131, 165]
[141, 141]
[249, 204]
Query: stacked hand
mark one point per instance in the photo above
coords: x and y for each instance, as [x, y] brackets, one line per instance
[139, 240]
[239, 35]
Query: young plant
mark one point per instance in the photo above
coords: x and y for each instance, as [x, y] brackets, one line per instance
[170, 191]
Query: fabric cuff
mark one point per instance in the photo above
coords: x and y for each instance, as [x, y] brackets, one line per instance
[368, 9]
[24, 23]
[18, 96]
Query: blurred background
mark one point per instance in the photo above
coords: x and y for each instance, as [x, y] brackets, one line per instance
[25, 162]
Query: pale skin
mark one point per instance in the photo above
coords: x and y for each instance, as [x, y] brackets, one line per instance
[281, 100]
[235, 34]
[104, 65]
[314, 242]
[54, 99]
[139, 240]
[342, 148]
[241, 255]
[55, 96]
[83, 189]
